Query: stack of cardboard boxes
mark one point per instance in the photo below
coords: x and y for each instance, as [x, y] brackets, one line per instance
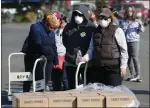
[70, 99]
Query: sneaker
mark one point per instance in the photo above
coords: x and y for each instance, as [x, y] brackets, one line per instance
[136, 79]
[139, 80]
[129, 78]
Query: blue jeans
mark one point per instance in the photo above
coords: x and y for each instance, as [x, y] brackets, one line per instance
[133, 61]
[65, 79]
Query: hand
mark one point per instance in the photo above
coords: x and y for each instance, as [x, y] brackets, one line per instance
[78, 60]
[139, 21]
[84, 60]
[123, 72]
[55, 66]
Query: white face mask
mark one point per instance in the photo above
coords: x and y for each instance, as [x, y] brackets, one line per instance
[78, 19]
[104, 23]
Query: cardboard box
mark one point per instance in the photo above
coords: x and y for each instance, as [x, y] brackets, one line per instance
[90, 100]
[119, 99]
[29, 100]
[48, 93]
[56, 93]
[62, 101]
[75, 93]
[88, 92]
[14, 99]
[61, 93]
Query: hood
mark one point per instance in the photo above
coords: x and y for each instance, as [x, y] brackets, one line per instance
[84, 10]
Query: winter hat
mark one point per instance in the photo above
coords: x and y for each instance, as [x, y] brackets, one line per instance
[57, 14]
[106, 12]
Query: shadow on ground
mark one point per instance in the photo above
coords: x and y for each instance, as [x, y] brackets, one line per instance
[142, 92]
[4, 98]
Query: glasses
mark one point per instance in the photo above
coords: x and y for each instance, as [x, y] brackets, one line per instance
[78, 14]
[103, 17]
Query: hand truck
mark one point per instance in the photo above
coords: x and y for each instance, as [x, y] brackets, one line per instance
[26, 76]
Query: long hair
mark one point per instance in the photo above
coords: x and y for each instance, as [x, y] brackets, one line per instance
[126, 16]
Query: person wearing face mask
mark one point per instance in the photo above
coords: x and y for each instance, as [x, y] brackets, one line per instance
[109, 51]
[132, 28]
[40, 41]
[76, 38]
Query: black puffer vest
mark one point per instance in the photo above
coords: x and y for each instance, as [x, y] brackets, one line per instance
[106, 50]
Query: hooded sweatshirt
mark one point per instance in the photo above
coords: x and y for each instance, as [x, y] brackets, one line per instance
[77, 37]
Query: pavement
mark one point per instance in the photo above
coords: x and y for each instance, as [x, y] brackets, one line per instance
[13, 36]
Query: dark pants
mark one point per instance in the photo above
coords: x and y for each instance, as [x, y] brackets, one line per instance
[59, 76]
[71, 71]
[29, 62]
[108, 75]
[65, 79]
[56, 79]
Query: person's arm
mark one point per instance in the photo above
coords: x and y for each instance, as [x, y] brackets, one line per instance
[120, 38]
[141, 27]
[68, 57]
[64, 36]
[88, 56]
[55, 62]
[36, 37]
[25, 45]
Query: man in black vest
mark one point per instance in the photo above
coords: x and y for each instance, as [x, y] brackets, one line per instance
[109, 51]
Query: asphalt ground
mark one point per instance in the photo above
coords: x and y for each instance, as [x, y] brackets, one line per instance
[13, 36]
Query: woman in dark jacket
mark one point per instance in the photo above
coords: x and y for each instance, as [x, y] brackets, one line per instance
[41, 41]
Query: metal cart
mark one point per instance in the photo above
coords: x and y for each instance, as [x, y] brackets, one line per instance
[26, 76]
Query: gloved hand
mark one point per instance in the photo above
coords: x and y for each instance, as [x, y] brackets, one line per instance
[42, 57]
[78, 60]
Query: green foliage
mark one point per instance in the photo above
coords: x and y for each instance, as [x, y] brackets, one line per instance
[25, 17]
[30, 16]
[19, 18]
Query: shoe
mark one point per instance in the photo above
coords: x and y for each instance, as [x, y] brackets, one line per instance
[136, 79]
[139, 80]
[47, 88]
[129, 78]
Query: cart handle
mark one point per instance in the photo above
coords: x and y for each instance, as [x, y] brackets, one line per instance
[37, 60]
[42, 58]
[9, 57]
[77, 71]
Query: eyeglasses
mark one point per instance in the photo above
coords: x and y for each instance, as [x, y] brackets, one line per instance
[103, 17]
[78, 14]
